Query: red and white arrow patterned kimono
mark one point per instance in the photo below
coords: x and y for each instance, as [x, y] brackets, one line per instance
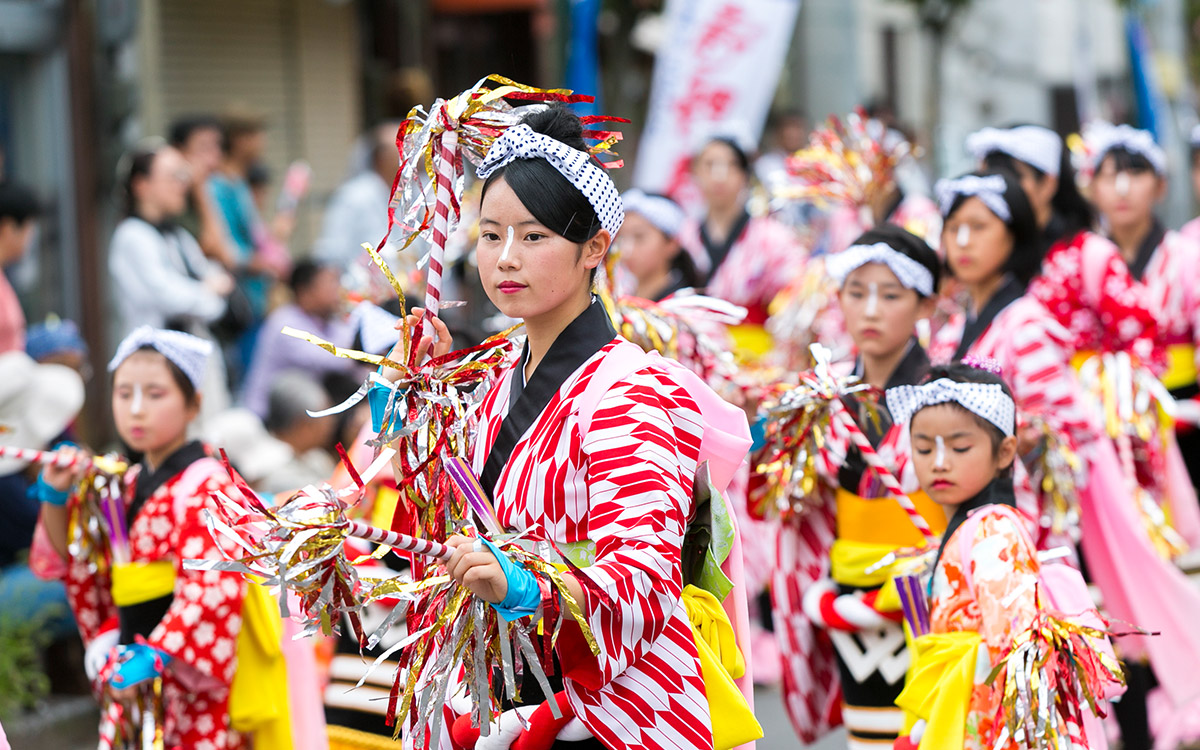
[625, 485]
[201, 624]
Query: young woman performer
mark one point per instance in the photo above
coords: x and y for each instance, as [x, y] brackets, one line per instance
[650, 249]
[985, 580]
[615, 493]
[1129, 180]
[1080, 278]
[741, 258]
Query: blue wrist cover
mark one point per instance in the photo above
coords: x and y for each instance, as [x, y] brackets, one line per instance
[138, 663]
[758, 433]
[524, 594]
[47, 494]
[377, 398]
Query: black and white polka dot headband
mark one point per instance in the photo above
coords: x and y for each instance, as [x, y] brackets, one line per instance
[522, 142]
[664, 213]
[989, 189]
[987, 400]
[911, 274]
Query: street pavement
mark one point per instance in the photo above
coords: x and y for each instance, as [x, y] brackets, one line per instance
[777, 730]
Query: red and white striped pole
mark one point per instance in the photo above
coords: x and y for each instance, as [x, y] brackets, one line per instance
[872, 458]
[45, 458]
[402, 542]
[443, 205]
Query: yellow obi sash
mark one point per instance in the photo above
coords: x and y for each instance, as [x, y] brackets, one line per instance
[939, 685]
[867, 530]
[258, 698]
[750, 341]
[721, 662]
[1181, 365]
[137, 582]
[882, 520]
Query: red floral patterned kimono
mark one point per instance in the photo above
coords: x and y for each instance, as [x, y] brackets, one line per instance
[1087, 287]
[197, 624]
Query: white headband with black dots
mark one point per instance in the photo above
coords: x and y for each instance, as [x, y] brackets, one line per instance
[987, 400]
[911, 274]
[989, 189]
[522, 142]
[1036, 146]
[664, 213]
[187, 352]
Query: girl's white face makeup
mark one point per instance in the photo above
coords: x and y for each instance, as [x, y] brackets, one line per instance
[1122, 184]
[953, 455]
[963, 237]
[507, 244]
[135, 406]
[872, 298]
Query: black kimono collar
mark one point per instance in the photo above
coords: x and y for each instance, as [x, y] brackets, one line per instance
[1146, 249]
[998, 492]
[590, 332]
[148, 482]
[718, 252]
[1055, 230]
[913, 367]
[1009, 292]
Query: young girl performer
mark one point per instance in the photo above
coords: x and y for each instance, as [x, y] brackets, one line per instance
[990, 248]
[1129, 174]
[1081, 279]
[984, 588]
[181, 625]
[741, 258]
[650, 248]
[1129, 180]
[618, 491]
[888, 280]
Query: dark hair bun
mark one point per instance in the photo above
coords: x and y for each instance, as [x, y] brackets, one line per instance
[559, 123]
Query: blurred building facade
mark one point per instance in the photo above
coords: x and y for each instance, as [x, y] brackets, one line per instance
[83, 80]
[1004, 61]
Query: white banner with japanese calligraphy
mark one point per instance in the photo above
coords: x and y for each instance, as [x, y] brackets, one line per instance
[716, 71]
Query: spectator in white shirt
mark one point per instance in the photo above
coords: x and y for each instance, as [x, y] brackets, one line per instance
[357, 211]
[160, 276]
